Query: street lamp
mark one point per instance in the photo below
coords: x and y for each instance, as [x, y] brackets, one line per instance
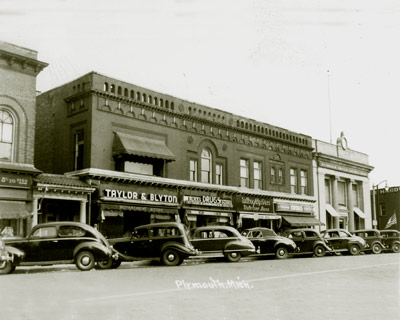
[374, 221]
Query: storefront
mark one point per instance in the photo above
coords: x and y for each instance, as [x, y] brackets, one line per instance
[256, 212]
[296, 214]
[202, 208]
[122, 207]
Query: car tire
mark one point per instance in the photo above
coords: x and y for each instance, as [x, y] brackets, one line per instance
[171, 257]
[319, 251]
[354, 250]
[84, 261]
[6, 267]
[233, 256]
[115, 264]
[396, 247]
[376, 248]
[105, 264]
[281, 253]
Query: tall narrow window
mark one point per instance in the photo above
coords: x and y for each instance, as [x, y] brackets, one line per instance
[206, 162]
[6, 135]
[218, 174]
[257, 175]
[280, 176]
[342, 199]
[78, 149]
[355, 195]
[328, 198]
[303, 181]
[193, 170]
[273, 175]
[293, 180]
[244, 173]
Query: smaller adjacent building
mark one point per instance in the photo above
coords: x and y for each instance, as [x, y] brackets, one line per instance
[342, 184]
[387, 202]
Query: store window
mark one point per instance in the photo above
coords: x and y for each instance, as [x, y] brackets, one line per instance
[218, 174]
[244, 173]
[78, 149]
[6, 135]
[257, 167]
[206, 163]
[293, 180]
[193, 170]
[303, 182]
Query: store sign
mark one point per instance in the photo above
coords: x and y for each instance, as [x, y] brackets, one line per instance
[206, 200]
[139, 196]
[15, 180]
[253, 204]
[294, 207]
[390, 190]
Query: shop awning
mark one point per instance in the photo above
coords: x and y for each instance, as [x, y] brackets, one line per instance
[13, 210]
[302, 221]
[331, 210]
[359, 212]
[140, 146]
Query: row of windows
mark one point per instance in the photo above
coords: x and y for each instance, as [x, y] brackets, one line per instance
[342, 193]
[143, 97]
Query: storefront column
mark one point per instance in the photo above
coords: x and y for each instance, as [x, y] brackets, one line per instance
[335, 200]
[82, 217]
[350, 205]
[35, 211]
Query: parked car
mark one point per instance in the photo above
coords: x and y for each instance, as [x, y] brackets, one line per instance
[372, 238]
[391, 240]
[8, 258]
[267, 242]
[58, 243]
[221, 241]
[343, 241]
[165, 241]
[308, 242]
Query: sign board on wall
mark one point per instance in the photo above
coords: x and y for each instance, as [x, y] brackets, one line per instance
[253, 204]
[217, 200]
[15, 180]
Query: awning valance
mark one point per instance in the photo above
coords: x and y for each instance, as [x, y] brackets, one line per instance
[13, 210]
[331, 210]
[140, 146]
[359, 212]
[259, 216]
[297, 221]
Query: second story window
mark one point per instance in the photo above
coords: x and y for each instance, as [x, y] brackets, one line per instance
[328, 198]
[78, 149]
[193, 170]
[6, 135]
[355, 195]
[304, 182]
[244, 173]
[257, 175]
[342, 199]
[280, 176]
[206, 163]
[273, 176]
[218, 174]
[293, 180]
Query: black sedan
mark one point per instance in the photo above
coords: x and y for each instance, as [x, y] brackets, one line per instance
[166, 241]
[309, 242]
[225, 241]
[267, 242]
[391, 240]
[373, 240]
[58, 243]
[343, 241]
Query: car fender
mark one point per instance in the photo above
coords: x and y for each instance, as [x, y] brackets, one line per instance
[15, 255]
[323, 244]
[99, 250]
[377, 242]
[238, 246]
[178, 247]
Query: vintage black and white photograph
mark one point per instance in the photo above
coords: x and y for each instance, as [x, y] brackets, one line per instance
[199, 159]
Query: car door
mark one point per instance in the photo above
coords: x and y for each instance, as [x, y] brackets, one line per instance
[221, 239]
[203, 240]
[333, 238]
[68, 238]
[139, 245]
[298, 238]
[43, 245]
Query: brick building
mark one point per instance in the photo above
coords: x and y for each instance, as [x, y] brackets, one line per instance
[387, 208]
[152, 156]
[19, 68]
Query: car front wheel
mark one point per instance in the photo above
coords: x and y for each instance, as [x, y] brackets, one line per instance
[376, 248]
[6, 267]
[281, 253]
[319, 251]
[105, 264]
[84, 261]
[233, 256]
[354, 249]
[171, 257]
[396, 247]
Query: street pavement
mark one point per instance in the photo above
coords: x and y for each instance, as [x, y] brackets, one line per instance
[336, 287]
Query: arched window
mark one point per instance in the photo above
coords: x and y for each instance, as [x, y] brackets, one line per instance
[6, 135]
[105, 88]
[206, 165]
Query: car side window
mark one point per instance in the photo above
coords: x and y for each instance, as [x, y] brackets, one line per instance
[71, 231]
[172, 232]
[310, 234]
[141, 233]
[221, 234]
[45, 232]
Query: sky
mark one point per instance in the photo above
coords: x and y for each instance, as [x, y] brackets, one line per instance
[317, 67]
